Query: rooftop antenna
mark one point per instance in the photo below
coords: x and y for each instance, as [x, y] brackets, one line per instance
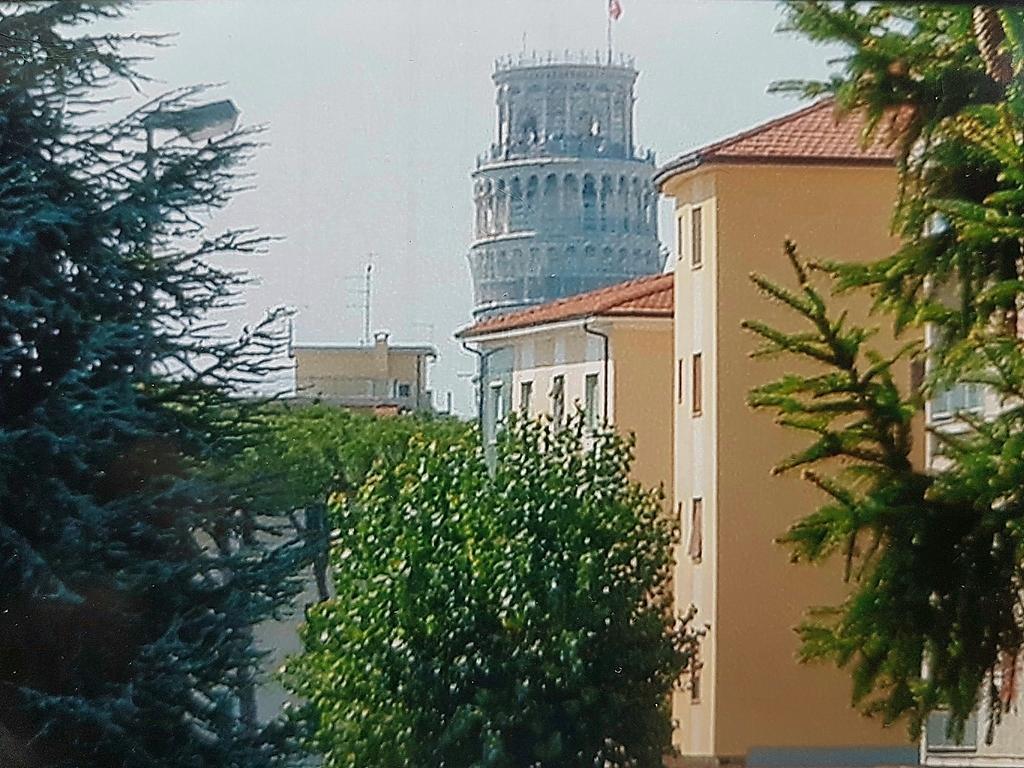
[365, 294]
[366, 299]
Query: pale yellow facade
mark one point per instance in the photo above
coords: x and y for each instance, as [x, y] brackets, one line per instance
[637, 374]
[380, 375]
[755, 699]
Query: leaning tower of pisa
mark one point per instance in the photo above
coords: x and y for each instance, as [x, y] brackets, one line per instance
[564, 201]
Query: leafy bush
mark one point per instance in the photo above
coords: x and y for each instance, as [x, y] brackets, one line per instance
[508, 617]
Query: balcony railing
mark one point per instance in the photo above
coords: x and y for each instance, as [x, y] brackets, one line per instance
[589, 147]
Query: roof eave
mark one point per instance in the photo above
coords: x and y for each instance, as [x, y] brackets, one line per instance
[652, 313]
[694, 160]
[673, 168]
[488, 334]
[561, 323]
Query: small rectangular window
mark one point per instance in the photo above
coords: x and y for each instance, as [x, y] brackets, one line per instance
[939, 740]
[680, 379]
[697, 385]
[680, 236]
[967, 398]
[695, 670]
[497, 402]
[695, 546]
[558, 400]
[590, 400]
[404, 390]
[525, 396]
[696, 238]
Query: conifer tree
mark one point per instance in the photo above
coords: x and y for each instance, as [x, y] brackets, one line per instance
[934, 617]
[130, 578]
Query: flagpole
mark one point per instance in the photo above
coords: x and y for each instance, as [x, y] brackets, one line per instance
[609, 15]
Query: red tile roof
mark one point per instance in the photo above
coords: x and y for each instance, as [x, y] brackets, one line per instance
[812, 135]
[644, 297]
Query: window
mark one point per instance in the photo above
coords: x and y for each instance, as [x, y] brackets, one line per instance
[680, 236]
[525, 396]
[497, 404]
[697, 379]
[590, 400]
[695, 670]
[558, 400]
[405, 390]
[946, 403]
[696, 238]
[939, 740]
[695, 547]
[680, 379]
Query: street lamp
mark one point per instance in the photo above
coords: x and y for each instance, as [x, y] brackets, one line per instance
[194, 123]
[197, 124]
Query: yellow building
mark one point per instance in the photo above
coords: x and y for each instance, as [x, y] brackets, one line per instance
[608, 351]
[803, 177]
[383, 377]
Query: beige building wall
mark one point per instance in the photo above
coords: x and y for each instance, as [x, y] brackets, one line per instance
[365, 375]
[543, 353]
[695, 460]
[642, 352]
[754, 694]
[639, 372]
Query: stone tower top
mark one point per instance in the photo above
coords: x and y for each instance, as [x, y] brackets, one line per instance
[573, 105]
[563, 199]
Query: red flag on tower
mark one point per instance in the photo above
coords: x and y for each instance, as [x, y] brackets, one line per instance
[614, 10]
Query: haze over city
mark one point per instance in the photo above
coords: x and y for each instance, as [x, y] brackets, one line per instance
[376, 112]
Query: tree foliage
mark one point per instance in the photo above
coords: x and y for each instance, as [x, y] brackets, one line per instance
[507, 618]
[934, 615]
[301, 458]
[302, 455]
[130, 577]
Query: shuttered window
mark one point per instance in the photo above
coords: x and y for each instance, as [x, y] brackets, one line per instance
[695, 548]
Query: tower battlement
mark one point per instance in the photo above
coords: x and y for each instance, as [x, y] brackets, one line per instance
[524, 60]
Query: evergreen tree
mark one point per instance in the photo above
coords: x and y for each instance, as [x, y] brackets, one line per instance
[520, 617]
[934, 616]
[130, 577]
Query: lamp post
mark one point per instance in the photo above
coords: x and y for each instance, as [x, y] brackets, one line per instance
[197, 124]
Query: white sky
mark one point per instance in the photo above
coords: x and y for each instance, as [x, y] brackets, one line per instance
[376, 112]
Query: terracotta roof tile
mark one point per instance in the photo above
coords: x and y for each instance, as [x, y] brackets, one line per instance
[814, 134]
[649, 296]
